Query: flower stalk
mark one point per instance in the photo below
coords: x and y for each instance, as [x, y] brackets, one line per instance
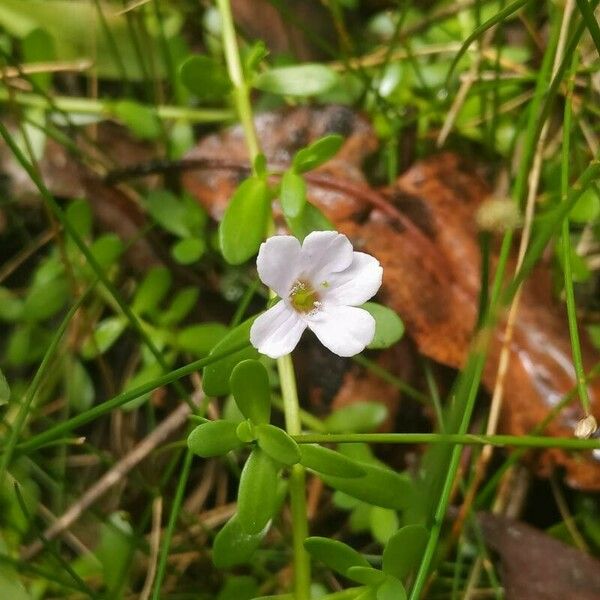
[297, 481]
[297, 488]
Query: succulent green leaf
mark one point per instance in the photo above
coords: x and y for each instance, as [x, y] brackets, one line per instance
[217, 375]
[214, 438]
[205, 77]
[79, 214]
[182, 303]
[257, 494]
[238, 587]
[105, 334]
[329, 462]
[11, 306]
[389, 327]
[587, 208]
[141, 119]
[391, 589]
[366, 575]
[309, 220]
[4, 389]
[115, 548]
[404, 550]
[293, 193]
[379, 486]
[151, 291]
[383, 523]
[335, 554]
[79, 386]
[245, 431]
[170, 212]
[106, 249]
[188, 250]
[200, 339]
[317, 153]
[298, 80]
[233, 546]
[244, 224]
[250, 387]
[278, 444]
[44, 299]
[357, 417]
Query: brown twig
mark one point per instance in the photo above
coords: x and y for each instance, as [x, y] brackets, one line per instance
[154, 547]
[115, 474]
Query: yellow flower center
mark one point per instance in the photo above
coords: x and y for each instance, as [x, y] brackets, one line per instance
[303, 298]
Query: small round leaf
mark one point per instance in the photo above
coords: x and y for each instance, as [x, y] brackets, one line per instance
[329, 462]
[357, 417]
[317, 153]
[214, 438]
[233, 546]
[215, 381]
[205, 78]
[379, 486]
[389, 328]
[4, 389]
[188, 250]
[404, 550]
[391, 589]
[278, 444]
[366, 575]
[336, 555]
[293, 193]
[245, 221]
[250, 387]
[257, 493]
[298, 80]
[245, 431]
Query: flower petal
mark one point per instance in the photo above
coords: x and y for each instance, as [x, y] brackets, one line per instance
[323, 253]
[278, 263]
[354, 285]
[277, 331]
[345, 330]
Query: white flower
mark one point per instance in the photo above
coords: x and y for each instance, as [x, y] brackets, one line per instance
[320, 283]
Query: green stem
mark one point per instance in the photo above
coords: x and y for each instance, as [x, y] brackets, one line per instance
[61, 429]
[515, 441]
[241, 91]
[102, 276]
[297, 481]
[89, 106]
[164, 551]
[7, 451]
[566, 250]
[285, 367]
[386, 376]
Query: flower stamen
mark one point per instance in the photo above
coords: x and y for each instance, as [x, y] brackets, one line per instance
[303, 297]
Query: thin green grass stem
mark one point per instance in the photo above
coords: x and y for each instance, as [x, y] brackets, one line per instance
[567, 249]
[468, 439]
[470, 377]
[57, 556]
[236, 74]
[587, 13]
[103, 108]
[297, 483]
[38, 378]
[489, 487]
[90, 258]
[386, 376]
[100, 410]
[173, 516]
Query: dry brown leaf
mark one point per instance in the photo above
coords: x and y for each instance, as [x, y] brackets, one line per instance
[423, 231]
[536, 566]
